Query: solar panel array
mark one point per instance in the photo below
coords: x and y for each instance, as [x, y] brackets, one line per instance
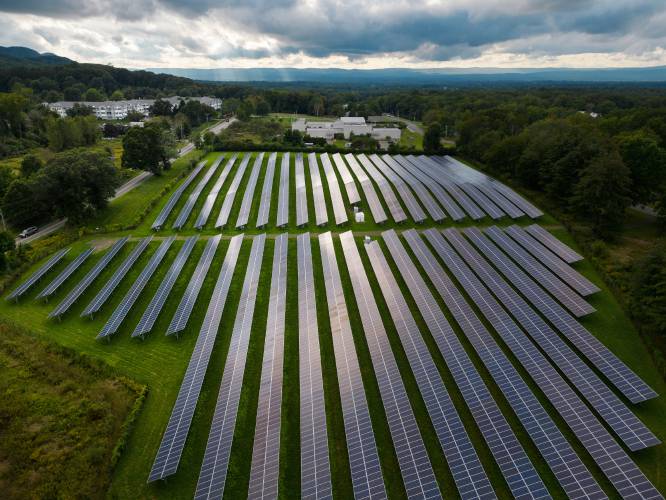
[155, 306]
[173, 441]
[376, 208]
[248, 197]
[283, 193]
[194, 195]
[347, 179]
[301, 192]
[52, 287]
[87, 280]
[366, 472]
[315, 465]
[265, 468]
[553, 244]
[213, 474]
[189, 298]
[384, 187]
[401, 187]
[338, 204]
[37, 275]
[417, 474]
[225, 210]
[266, 192]
[108, 288]
[118, 316]
[321, 215]
[173, 199]
[214, 192]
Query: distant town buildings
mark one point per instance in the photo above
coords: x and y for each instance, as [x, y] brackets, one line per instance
[118, 110]
[344, 127]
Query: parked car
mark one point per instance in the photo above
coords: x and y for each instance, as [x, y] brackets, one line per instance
[28, 232]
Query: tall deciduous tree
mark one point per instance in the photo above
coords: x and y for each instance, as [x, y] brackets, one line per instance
[647, 164]
[431, 138]
[148, 148]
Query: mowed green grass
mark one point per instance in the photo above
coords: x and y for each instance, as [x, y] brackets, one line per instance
[160, 362]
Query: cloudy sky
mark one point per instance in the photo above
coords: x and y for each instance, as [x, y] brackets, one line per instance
[342, 33]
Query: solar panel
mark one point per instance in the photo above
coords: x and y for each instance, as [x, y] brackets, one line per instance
[248, 196]
[368, 188]
[488, 206]
[266, 192]
[194, 195]
[625, 424]
[606, 362]
[301, 196]
[37, 275]
[390, 198]
[509, 208]
[213, 474]
[52, 287]
[468, 474]
[283, 194]
[265, 469]
[406, 195]
[565, 272]
[366, 472]
[118, 316]
[417, 474]
[315, 466]
[563, 251]
[338, 204]
[173, 441]
[184, 309]
[610, 457]
[173, 199]
[518, 471]
[225, 210]
[347, 179]
[423, 194]
[87, 280]
[569, 299]
[153, 310]
[321, 216]
[214, 192]
[108, 288]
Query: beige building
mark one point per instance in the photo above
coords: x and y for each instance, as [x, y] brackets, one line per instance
[345, 126]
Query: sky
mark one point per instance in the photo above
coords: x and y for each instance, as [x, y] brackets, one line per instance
[360, 34]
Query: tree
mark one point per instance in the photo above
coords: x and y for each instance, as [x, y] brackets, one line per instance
[6, 178]
[161, 108]
[117, 95]
[293, 137]
[30, 165]
[134, 116]
[94, 95]
[431, 138]
[647, 164]
[262, 107]
[148, 148]
[19, 205]
[7, 244]
[80, 110]
[245, 110]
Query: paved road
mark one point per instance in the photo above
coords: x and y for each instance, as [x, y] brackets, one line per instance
[411, 126]
[131, 184]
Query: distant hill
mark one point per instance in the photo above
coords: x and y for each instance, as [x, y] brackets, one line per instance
[22, 56]
[406, 76]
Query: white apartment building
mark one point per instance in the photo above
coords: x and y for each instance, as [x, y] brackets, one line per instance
[346, 125]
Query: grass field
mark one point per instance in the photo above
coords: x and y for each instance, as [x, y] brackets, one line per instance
[159, 362]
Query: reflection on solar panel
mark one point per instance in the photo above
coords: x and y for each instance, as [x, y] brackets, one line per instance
[301, 196]
[531, 211]
[553, 244]
[368, 190]
[283, 194]
[173, 441]
[52, 287]
[37, 275]
[390, 198]
[184, 309]
[212, 195]
[87, 280]
[608, 405]
[366, 472]
[509, 208]
[423, 194]
[334, 190]
[118, 316]
[509, 455]
[265, 469]
[194, 195]
[321, 216]
[488, 206]
[213, 475]
[246, 204]
[610, 457]
[417, 474]
[173, 199]
[565, 272]
[266, 192]
[347, 179]
[315, 467]
[108, 288]
[225, 210]
[153, 310]
[615, 370]
[464, 463]
[569, 299]
[407, 196]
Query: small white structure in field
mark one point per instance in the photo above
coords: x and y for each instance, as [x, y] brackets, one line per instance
[359, 217]
[367, 240]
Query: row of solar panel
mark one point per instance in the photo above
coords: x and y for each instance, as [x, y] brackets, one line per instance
[427, 187]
